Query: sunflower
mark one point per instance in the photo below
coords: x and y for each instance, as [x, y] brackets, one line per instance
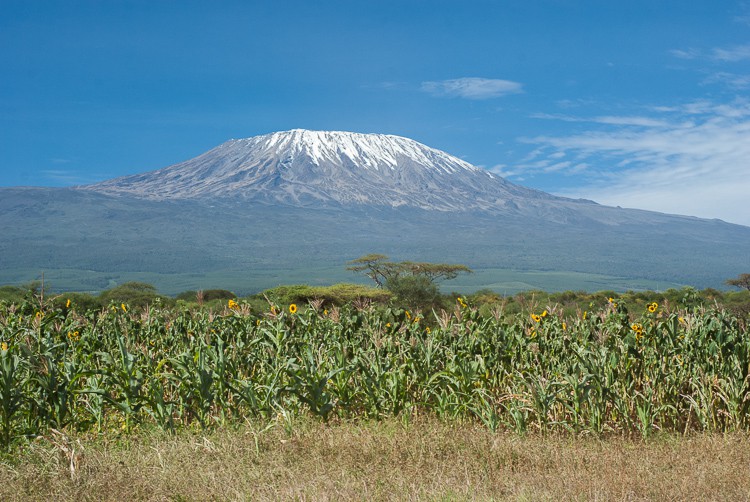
[292, 308]
[652, 307]
[638, 330]
[536, 318]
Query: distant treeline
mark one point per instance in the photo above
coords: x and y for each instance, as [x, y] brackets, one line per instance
[138, 294]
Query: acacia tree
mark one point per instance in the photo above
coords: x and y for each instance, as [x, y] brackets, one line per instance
[380, 270]
[375, 266]
[742, 281]
[413, 283]
[434, 271]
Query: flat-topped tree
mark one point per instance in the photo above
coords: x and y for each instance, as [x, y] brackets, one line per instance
[434, 271]
[381, 271]
[742, 281]
[375, 266]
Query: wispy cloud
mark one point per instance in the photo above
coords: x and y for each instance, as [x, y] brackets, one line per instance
[388, 85]
[686, 53]
[65, 177]
[718, 54]
[472, 88]
[639, 121]
[695, 160]
[732, 54]
[731, 80]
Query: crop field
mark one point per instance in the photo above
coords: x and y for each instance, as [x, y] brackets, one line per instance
[611, 370]
[292, 374]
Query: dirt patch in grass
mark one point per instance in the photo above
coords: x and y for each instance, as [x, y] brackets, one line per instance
[427, 460]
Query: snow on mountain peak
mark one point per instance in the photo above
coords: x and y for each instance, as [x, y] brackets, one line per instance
[366, 150]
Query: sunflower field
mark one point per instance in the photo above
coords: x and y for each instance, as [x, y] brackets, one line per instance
[610, 370]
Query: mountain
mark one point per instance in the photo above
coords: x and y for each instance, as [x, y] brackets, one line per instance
[304, 168]
[294, 206]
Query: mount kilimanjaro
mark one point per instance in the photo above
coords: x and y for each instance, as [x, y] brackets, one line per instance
[308, 168]
[256, 212]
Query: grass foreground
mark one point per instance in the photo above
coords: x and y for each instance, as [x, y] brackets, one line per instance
[426, 459]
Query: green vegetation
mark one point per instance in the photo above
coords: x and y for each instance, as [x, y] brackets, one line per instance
[414, 284]
[11, 293]
[201, 297]
[338, 294]
[339, 391]
[381, 271]
[625, 365]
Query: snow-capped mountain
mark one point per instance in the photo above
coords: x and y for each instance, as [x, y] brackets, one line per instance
[347, 195]
[302, 167]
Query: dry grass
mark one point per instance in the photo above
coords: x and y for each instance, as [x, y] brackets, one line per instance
[429, 460]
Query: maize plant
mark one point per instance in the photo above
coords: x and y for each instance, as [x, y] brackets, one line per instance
[608, 370]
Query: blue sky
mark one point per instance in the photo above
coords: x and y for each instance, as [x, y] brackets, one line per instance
[638, 103]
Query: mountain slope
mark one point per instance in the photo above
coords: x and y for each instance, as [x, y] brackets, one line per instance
[301, 167]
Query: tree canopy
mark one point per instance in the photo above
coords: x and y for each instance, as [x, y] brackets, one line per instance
[742, 281]
[378, 268]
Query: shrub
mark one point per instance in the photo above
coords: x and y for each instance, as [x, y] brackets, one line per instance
[137, 294]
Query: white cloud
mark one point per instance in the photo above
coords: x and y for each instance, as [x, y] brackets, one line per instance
[631, 121]
[729, 79]
[517, 172]
[472, 88]
[732, 54]
[698, 167]
[686, 53]
[721, 54]
[615, 120]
